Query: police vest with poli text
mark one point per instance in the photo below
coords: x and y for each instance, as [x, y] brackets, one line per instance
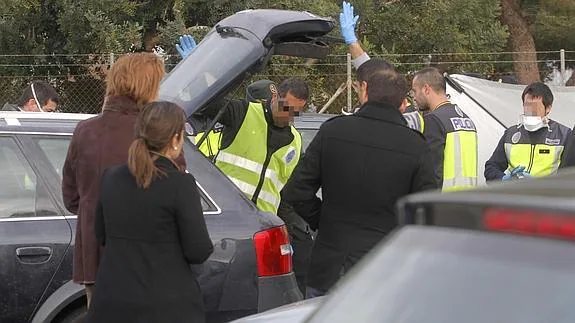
[539, 151]
[211, 145]
[246, 162]
[460, 153]
[414, 120]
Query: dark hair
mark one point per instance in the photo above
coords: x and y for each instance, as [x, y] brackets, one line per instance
[367, 69]
[297, 87]
[432, 77]
[44, 92]
[156, 125]
[541, 90]
[571, 80]
[387, 86]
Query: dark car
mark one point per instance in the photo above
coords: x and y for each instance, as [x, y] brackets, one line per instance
[502, 253]
[250, 269]
[37, 233]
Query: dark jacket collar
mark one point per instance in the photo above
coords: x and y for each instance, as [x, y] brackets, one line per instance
[165, 163]
[381, 111]
[122, 104]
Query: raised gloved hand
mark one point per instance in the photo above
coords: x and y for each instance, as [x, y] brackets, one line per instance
[347, 22]
[515, 172]
[186, 45]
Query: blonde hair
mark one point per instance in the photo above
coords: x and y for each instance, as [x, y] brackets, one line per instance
[136, 76]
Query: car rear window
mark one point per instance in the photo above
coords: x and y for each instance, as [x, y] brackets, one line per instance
[442, 275]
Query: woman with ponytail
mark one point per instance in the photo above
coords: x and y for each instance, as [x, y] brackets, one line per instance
[101, 142]
[149, 219]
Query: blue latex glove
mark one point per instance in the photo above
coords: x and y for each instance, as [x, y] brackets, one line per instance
[514, 173]
[347, 22]
[186, 45]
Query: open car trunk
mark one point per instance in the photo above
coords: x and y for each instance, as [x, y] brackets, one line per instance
[238, 46]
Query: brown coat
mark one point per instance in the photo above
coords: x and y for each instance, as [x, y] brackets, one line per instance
[97, 144]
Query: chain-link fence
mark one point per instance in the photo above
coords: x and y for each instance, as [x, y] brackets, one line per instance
[80, 79]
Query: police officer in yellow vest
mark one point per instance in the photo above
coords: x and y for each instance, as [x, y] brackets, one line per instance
[451, 134]
[259, 148]
[533, 148]
[293, 90]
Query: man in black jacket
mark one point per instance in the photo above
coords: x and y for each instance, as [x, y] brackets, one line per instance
[363, 163]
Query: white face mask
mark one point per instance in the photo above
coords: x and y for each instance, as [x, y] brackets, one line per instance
[36, 98]
[534, 123]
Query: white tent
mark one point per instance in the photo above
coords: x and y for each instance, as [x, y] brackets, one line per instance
[496, 106]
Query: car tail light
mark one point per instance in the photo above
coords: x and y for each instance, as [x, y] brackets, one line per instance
[273, 251]
[528, 222]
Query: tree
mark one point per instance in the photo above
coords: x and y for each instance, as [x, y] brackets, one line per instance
[513, 14]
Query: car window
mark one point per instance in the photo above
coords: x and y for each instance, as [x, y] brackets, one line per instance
[307, 136]
[210, 67]
[442, 275]
[56, 149]
[18, 182]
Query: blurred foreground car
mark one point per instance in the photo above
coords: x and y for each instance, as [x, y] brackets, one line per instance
[503, 253]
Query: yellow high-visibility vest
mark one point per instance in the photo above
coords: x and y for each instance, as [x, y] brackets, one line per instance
[539, 152]
[414, 120]
[460, 152]
[246, 165]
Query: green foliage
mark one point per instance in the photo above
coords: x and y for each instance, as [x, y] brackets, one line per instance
[402, 31]
[433, 26]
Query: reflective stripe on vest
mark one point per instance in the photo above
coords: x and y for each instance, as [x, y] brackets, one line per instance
[243, 161]
[460, 161]
[414, 121]
[538, 159]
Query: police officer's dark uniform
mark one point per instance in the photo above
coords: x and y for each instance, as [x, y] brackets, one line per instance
[540, 152]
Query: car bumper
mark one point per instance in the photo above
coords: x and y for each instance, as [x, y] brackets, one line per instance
[276, 291]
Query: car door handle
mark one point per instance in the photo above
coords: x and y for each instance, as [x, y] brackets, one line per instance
[33, 251]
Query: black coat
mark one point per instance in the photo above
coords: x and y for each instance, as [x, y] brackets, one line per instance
[364, 163]
[150, 237]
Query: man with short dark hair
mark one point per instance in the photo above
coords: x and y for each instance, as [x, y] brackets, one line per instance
[293, 91]
[363, 163]
[535, 147]
[37, 97]
[451, 134]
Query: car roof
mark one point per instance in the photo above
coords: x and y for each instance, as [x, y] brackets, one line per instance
[311, 120]
[37, 122]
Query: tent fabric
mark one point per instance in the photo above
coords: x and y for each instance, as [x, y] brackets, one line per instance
[501, 107]
[504, 100]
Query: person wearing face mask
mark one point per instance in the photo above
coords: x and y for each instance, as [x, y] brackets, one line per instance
[37, 97]
[534, 148]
